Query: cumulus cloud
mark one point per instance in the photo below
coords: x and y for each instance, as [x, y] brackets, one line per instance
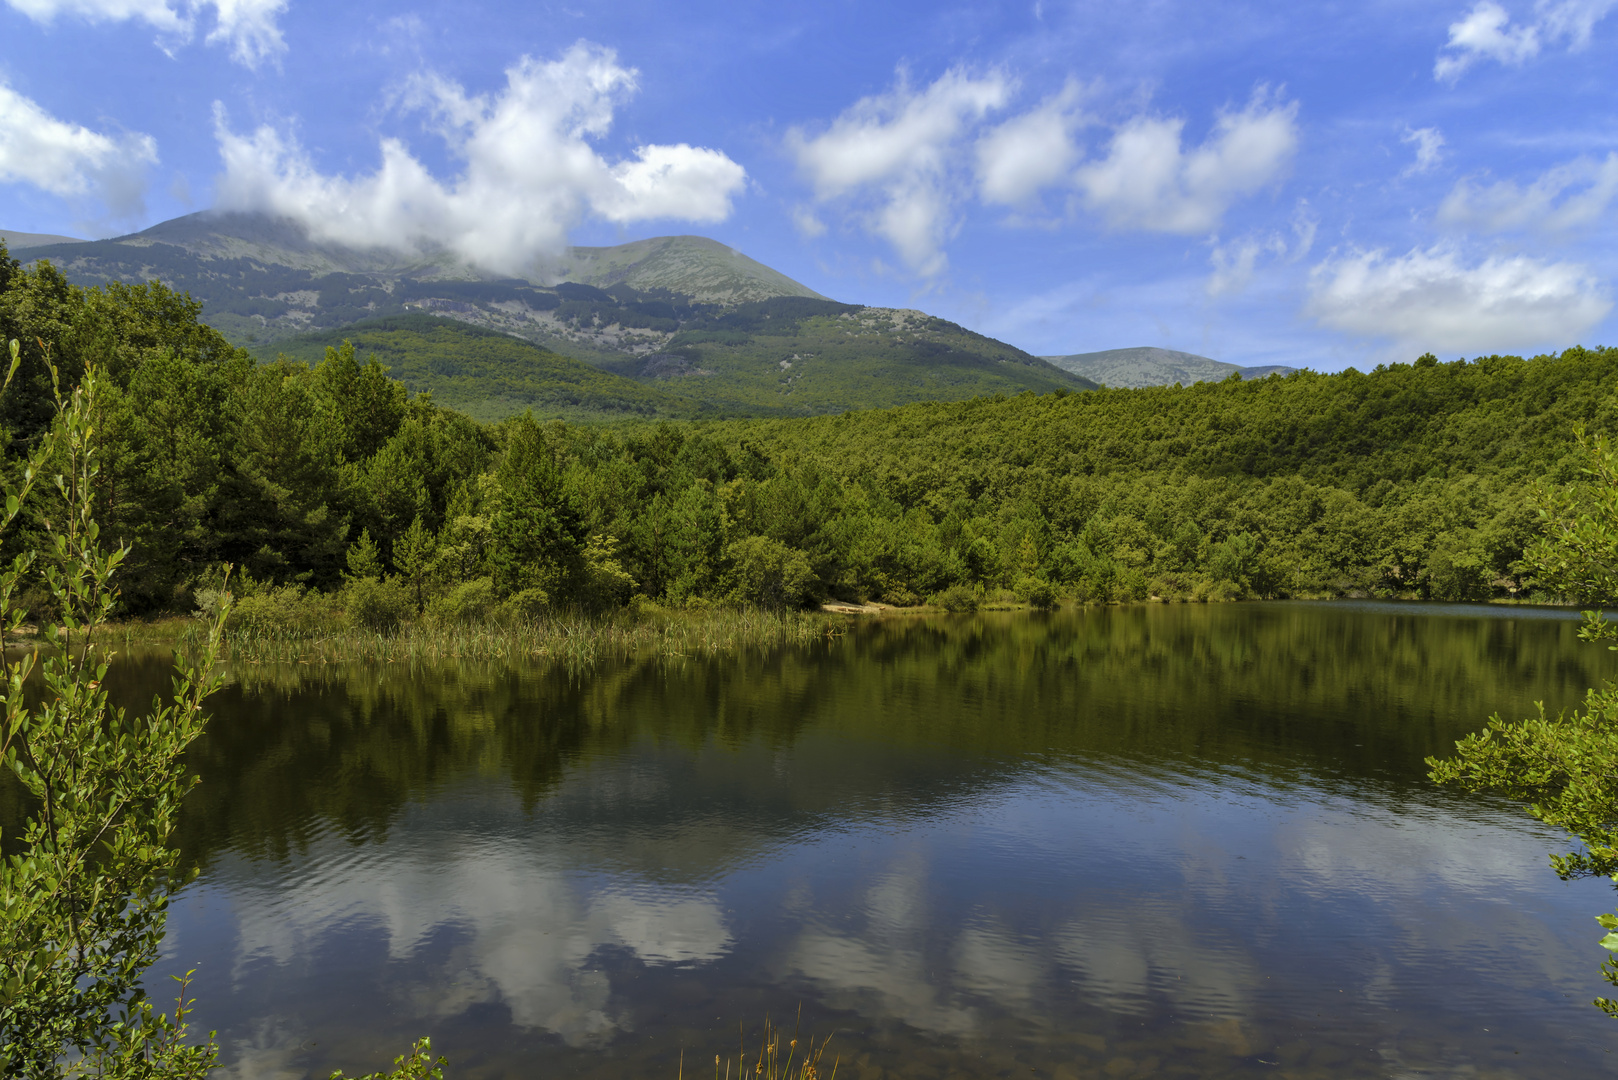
[530, 173]
[1429, 144]
[70, 160]
[1566, 197]
[1149, 180]
[1029, 152]
[248, 27]
[895, 157]
[1434, 300]
[904, 162]
[1487, 33]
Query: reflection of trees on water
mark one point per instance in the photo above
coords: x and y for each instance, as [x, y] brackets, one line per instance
[898, 714]
[601, 854]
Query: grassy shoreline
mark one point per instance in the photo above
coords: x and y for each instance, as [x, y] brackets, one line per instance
[568, 638]
[571, 638]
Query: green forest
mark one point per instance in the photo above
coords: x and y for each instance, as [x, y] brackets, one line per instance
[330, 479]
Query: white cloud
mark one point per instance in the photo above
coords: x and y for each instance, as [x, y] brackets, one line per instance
[1029, 152]
[1432, 300]
[1566, 197]
[1234, 262]
[249, 27]
[1487, 33]
[530, 172]
[894, 156]
[1429, 144]
[71, 160]
[1149, 181]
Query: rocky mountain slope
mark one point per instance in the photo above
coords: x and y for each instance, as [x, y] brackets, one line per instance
[700, 326]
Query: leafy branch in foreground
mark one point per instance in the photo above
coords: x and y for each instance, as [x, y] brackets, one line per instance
[84, 901]
[1565, 769]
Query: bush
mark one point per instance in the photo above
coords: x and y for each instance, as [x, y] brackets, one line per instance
[524, 606]
[957, 598]
[267, 610]
[469, 602]
[768, 573]
[606, 583]
[1036, 592]
[377, 605]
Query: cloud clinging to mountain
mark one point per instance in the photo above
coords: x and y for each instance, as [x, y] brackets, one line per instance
[250, 27]
[1434, 300]
[530, 173]
[70, 160]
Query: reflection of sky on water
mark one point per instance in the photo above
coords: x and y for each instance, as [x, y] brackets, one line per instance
[1046, 903]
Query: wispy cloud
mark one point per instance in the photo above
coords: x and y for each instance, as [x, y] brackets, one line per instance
[249, 27]
[530, 172]
[1569, 196]
[1429, 144]
[71, 160]
[1434, 299]
[1487, 32]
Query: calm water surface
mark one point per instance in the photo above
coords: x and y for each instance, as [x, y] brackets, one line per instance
[1165, 841]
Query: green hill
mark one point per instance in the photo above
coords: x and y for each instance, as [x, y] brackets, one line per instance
[485, 374]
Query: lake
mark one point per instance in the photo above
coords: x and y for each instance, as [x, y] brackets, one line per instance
[1192, 841]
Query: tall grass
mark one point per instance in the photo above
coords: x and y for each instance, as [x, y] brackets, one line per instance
[778, 1058]
[573, 639]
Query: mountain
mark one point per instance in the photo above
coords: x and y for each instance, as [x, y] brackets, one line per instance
[705, 270]
[1148, 366]
[708, 327]
[18, 241]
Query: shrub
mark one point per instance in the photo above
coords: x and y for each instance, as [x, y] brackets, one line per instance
[469, 602]
[524, 606]
[957, 598]
[1036, 592]
[768, 573]
[373, 604]
[267, 610]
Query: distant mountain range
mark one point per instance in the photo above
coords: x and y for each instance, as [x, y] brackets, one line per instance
[17, 241]
[1149, 366]
[691, 326]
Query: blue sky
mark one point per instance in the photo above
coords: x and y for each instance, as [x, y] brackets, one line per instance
[1317, 185]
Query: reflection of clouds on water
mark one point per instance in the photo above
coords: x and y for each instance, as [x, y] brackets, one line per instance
[1127, 953]
[525, 929]
[1197, 929]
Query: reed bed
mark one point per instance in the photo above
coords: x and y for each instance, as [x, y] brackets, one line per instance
[576, 640]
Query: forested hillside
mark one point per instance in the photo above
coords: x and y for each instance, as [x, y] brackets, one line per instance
[1409, 480]
[486, 374]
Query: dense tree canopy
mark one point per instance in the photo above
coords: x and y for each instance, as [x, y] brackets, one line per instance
[1408, 480]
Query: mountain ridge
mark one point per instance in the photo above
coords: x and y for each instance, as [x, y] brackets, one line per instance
[705, 325]
[1149, 365]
